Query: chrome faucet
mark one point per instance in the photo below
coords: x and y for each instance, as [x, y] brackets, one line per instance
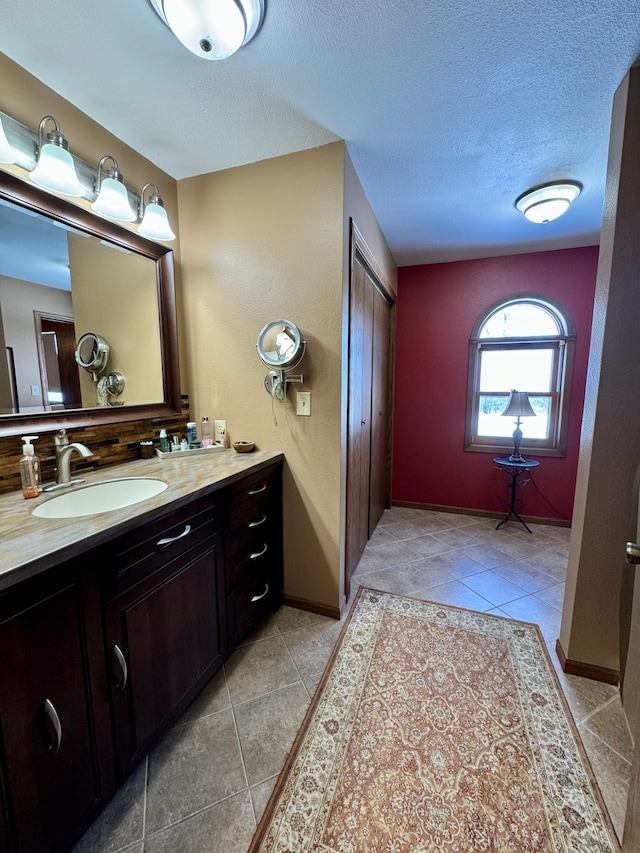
[64, 451]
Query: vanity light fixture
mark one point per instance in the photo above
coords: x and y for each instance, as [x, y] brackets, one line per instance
[212, 30]
[549, 201]
[113, 199]
[55, 169]
[155, 223]
[8, 154]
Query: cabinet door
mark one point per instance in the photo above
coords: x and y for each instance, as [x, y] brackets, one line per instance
[52, 757]
[166, 638]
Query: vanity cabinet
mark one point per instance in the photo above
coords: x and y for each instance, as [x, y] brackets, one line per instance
[254, 550]
[57, 766]
[165, 623]
[102, 653]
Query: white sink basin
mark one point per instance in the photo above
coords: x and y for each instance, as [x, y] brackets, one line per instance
[99, 497]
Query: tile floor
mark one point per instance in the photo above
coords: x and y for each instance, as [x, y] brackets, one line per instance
[206, 784]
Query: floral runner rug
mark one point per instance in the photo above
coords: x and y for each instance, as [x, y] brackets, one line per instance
[436, 729]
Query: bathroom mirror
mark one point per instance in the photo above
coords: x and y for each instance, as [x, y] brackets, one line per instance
[281, 348]
[280, 345]
[106, 282]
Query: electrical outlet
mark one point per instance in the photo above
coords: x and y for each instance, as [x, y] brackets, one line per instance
[35, 390]
[303, 403]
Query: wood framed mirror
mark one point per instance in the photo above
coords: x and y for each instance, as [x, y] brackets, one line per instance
[118, 284]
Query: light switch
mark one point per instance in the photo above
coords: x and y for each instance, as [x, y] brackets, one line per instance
[35, 390]
[303, 403]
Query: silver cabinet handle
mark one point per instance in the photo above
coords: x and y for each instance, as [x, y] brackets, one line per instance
[170, 539]
[51, 712]
[260, 597]
[261, 488]
[259, 521]
[122, 663]
[257, 554]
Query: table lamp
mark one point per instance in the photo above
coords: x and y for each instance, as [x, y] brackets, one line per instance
[518, 405]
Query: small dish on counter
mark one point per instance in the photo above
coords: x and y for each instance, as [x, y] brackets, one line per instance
[243, 446]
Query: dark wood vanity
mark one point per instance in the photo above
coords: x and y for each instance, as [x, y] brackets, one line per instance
[103, 650]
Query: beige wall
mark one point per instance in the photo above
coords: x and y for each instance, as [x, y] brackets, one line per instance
[27, 100]
[115, 295]
[19, 299]
[260, 243]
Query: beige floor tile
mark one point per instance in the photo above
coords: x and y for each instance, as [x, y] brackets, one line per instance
[290, 618]
[183, 777]
[214, 698]
[227, 826]
[455, 563]
[553, 595]
[525, 575]
[494, 588]
[456, 594]
[456, 538]
[260, 795]
[397, 553]
[583, 695]
[487, 555]
[613, 774]
[531, 609]
[311, 646]
[267, 727]
[259, 668]
[610, 725]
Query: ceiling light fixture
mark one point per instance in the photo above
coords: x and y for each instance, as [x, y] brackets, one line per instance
[212, 29]
[549, 201]
[113, 199]
[155, 222]
[55, 169]
[8, 153]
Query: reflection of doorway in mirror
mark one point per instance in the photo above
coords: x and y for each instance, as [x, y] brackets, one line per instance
[56, 341]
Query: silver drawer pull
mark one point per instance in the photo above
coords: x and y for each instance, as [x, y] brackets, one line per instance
[260, 597]
[259, 521]
[261, 488]
[257, 554]
[124, 669]
[51, 712]
[170, 539]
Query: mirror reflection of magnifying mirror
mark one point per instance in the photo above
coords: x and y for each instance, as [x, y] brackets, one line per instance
[92, 353]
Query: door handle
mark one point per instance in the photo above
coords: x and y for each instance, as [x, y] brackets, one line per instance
[633, 553]
[124, 669]
[52, 714]
[170, 539]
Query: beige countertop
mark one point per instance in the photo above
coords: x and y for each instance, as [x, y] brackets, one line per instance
[31, 544]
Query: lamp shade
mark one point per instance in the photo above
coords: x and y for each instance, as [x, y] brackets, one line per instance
[548, 202]
[155, 223]
[518, 405]
[113, 201]
[55, 171]
[8, 154]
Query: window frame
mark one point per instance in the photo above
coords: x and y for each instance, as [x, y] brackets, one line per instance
[559, 394]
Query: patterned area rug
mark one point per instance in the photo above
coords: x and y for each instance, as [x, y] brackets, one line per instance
[436, 729]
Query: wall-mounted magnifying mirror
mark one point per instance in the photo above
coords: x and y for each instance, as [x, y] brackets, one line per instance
[280, 348]
[92, 353]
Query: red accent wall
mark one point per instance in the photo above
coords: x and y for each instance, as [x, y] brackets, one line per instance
[437, 307]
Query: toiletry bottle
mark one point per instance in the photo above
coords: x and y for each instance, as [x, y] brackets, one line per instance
[206, 433]
[30, 469]
[192, 433]
[184, 444]
[175, 443]
[164, 441]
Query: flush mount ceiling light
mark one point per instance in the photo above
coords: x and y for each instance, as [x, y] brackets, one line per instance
[212, 29]
[113, 199]
[55, 169]
[548, 202]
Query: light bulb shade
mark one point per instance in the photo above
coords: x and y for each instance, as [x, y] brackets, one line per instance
[548, 202]
[8, 154]
[518, 405]
[155, 223]
[113, 201]
[55, 171]
[212, 29]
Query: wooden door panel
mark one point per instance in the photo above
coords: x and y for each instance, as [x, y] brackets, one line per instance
[380, 409]
[53, 780]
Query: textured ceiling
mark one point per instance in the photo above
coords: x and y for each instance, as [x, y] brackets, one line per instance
[450, 108]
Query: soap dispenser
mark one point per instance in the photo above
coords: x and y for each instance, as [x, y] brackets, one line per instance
[30, 469]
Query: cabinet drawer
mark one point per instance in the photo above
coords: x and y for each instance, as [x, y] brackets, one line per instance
[251, 521]
[249, 602]
[138, 554]
[260, 550]
[256, 488]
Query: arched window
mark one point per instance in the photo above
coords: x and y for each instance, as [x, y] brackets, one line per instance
[524, 344]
